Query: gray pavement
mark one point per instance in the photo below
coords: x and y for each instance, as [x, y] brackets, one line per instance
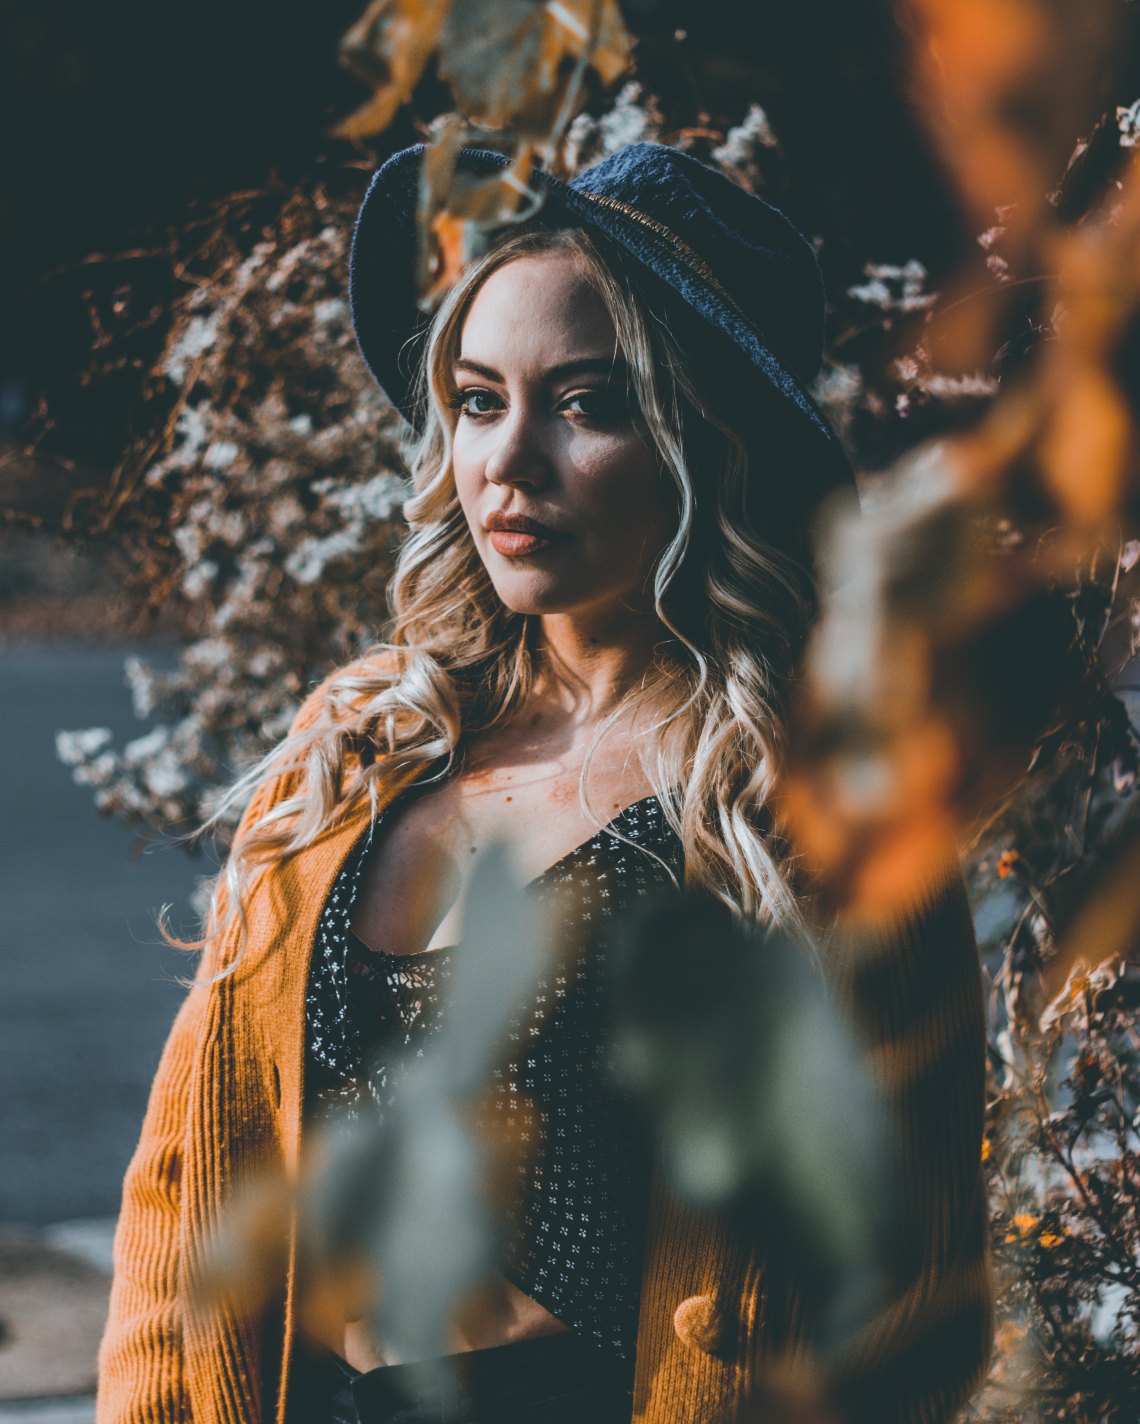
[53, 1305]
[87, 993]
[50, 1411]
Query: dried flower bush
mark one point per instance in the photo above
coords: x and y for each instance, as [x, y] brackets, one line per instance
[1063, 1138]
[267, 517]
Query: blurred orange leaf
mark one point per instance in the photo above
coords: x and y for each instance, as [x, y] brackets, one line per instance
[459, 211]
[1086, 447]
[940, 659]
[508, 61]
[1003, 85]
[513, 65]
[448, 233]
[1105, 928]
[389, 47]
[610, 46]
[875, 826]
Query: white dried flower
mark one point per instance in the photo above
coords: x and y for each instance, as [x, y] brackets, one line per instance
[893, 288]
[220, 455]
[740, 142]
[195, 338]
[76, 748]
[1128, 122]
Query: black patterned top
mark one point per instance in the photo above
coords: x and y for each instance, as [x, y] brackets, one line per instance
[576, 1236]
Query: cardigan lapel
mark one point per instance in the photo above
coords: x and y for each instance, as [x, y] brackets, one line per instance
[284, 914]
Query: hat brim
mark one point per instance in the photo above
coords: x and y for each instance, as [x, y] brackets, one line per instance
[387, 318]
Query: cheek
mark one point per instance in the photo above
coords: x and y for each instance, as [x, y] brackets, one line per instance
[465, 471]
[631, 496]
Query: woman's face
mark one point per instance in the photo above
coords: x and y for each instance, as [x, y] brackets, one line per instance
[562, 492]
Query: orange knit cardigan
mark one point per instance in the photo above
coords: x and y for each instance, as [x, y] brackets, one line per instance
[226, 1103]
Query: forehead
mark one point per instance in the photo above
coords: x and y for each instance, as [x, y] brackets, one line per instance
[536, 311]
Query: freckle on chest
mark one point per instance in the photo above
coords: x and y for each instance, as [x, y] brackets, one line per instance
[563, 793]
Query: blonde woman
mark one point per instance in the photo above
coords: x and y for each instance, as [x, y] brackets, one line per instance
[597, 613]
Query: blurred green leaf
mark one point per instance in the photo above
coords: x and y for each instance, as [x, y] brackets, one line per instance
[408, 1193]
[759, 1093]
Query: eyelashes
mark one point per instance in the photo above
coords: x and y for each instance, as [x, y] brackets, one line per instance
[458, 401]
[597, 405]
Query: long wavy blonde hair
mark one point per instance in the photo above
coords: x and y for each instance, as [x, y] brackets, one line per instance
[734, 610]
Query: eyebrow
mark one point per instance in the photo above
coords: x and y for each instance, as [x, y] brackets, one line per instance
[581, 366]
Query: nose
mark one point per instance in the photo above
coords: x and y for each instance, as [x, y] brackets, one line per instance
[518, 453]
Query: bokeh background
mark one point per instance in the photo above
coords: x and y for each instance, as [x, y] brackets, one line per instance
[199, 496]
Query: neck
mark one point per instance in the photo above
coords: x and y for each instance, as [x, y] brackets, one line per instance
[587, 664]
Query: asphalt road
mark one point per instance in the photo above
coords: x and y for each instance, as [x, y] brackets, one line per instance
[87, 989]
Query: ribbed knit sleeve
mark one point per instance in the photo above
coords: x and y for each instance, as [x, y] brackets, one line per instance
[916, 991]
[142, 1359]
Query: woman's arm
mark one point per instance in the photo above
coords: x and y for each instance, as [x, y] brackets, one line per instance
[141, 1374]
[140, 1360]
[141, 1363]
[916, 992]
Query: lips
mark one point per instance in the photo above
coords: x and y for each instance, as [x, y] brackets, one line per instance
[516, 537]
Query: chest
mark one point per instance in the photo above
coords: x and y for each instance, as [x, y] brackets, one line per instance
[361, 997]
[412, 888]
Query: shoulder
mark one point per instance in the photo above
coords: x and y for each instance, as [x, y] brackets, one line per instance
[339, 695]
[332, 706]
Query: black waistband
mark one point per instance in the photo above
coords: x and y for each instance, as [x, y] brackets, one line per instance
[553, 1379]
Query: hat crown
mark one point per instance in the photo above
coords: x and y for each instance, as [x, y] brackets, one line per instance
[742, 286]
[758, 258]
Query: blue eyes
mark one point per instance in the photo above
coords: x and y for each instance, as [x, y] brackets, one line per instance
[478, 403]
[469, 402]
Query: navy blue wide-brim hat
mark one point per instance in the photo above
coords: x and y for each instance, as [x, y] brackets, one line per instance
[738, 284]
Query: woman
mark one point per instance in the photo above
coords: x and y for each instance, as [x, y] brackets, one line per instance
[597, 614]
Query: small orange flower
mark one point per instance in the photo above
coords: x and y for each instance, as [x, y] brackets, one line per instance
[1021, 1223]
[987, 1149]
[1005, 863]
[1049, 1239]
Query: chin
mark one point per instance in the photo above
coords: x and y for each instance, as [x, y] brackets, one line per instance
[536, 592]
[532, 601]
